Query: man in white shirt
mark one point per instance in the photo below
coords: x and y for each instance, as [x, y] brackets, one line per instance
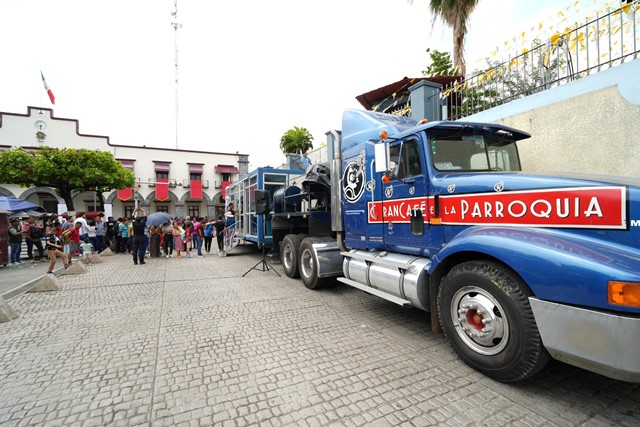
[84, 227]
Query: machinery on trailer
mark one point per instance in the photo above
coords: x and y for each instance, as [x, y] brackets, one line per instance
[515, 268]
[250, 225]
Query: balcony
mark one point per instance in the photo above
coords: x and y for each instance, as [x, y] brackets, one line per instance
[186, 183]
[152, 182]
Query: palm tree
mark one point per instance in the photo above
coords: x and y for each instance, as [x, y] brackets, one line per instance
[455, 13]
[297, 140]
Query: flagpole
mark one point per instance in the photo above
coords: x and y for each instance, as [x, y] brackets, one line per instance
[176, 26]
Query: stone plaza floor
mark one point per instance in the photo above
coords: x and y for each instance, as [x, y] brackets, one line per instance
[191, 342]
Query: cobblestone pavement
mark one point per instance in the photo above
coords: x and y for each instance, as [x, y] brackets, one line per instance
[191, 342]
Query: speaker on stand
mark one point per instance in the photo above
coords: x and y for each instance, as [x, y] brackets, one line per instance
[262, 208]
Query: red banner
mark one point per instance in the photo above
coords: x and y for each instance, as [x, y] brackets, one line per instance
[162, 189]
[225, 184]
[196, 189]
[125, 194]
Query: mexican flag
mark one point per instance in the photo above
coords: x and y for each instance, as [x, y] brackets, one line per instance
[49, 92]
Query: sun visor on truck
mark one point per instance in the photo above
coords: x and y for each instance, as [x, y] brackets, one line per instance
[359, 126]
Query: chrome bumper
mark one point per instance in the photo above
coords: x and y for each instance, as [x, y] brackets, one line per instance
[608, 344]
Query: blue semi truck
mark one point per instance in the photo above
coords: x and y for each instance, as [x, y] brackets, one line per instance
[515, 268]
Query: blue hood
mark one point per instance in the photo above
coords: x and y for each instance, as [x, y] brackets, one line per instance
[512, 181]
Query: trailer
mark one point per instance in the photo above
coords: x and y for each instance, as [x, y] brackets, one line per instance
[250, 226]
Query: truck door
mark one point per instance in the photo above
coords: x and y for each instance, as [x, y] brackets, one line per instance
[405, 212]
[358, 192]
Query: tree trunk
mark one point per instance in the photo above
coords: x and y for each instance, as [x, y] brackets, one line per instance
[100, 201]
[458, 50]
[68, 200]
[65, 192]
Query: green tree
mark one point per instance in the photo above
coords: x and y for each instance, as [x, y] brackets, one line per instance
[455, 13]
[66, 170]
[297, 141]
[440, 64]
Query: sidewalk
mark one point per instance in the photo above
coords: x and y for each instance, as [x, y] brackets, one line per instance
[190, 342]
[13, 279]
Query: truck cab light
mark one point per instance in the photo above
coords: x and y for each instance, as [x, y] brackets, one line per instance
[383, 134]
[624, 293]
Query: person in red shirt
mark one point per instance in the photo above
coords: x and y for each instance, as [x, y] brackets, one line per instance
[72, 236]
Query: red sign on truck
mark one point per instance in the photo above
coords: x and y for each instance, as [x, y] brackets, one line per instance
[574, 207]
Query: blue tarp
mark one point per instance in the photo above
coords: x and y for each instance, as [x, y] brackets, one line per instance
[15, 205]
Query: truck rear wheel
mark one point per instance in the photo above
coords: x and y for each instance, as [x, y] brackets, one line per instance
[485, 313]
[308, 264]
[289, 254]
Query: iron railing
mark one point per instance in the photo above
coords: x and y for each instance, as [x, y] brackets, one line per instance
[598, 44]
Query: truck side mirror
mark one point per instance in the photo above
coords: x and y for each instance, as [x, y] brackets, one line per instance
[380, 156]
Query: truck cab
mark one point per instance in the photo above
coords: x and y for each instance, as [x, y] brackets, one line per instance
[515, 268]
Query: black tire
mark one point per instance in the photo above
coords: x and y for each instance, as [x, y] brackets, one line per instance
[485, 313]
[308, 264]
[289, 255]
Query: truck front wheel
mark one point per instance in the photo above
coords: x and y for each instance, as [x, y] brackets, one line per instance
[485, 313]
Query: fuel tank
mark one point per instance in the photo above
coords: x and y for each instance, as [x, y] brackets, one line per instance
[403, 276]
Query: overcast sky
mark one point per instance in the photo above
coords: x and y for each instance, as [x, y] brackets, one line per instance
[248, 70]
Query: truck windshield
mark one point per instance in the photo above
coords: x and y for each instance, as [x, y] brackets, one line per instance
[473, 152]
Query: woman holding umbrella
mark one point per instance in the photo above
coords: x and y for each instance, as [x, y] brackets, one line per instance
[167, 239]
[154, 241]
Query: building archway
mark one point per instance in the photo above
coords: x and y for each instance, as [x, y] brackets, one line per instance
[217, 204]
[44, 197]
[197, 207]
[6, 193]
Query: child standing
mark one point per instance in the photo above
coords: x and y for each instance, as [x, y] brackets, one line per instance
[54, 246]
[87, 250]
[187, 241]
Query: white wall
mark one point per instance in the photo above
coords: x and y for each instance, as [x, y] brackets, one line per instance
[591, 125]
[19, 130]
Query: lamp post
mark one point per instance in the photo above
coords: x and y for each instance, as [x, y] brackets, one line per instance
[136, 198]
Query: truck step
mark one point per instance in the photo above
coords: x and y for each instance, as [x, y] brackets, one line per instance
[380, 260]
[373, 291]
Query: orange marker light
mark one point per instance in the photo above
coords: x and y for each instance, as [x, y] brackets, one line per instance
[386, 179]
[383, 134]
[624, 293]
[423, 121]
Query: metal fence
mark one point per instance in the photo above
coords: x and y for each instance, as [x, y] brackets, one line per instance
[608, 40]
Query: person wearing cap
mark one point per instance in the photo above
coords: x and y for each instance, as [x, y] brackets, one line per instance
[15, 241]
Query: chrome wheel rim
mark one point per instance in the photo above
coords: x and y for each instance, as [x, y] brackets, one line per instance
[479, 320]
[287, 257]
[306, 263]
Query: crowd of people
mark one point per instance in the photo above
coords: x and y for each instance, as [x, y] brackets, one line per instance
[179, 237]
[66, 236]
